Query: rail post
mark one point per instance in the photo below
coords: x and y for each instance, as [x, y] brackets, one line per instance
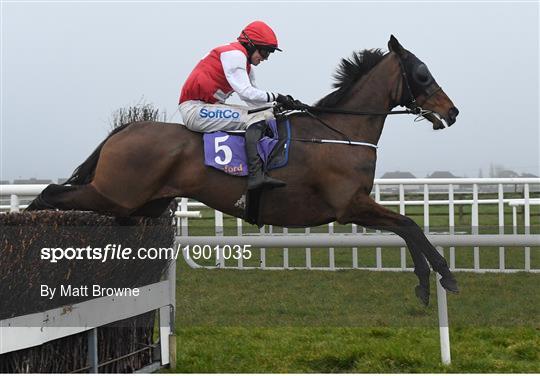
[14, 204]
[442, 309]
[93, 358]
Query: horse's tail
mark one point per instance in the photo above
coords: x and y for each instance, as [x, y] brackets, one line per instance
[85, 172]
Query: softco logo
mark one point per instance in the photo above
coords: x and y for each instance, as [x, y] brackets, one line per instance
[218, 114]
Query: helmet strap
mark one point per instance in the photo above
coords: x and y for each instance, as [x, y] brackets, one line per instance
[250, 42]
[249, 45]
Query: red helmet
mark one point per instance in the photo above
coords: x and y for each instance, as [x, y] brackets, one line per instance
[259, 34]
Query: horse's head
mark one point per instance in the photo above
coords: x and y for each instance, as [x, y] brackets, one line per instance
[419, 88]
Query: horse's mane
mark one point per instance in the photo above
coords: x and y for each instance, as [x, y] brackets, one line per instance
[349, 72]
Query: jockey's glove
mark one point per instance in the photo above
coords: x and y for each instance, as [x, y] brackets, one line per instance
[284, 100]
[289, 103]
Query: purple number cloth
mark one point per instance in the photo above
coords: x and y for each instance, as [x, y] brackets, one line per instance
[227, 152]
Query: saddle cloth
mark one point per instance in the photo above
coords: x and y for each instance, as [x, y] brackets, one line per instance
[226, 151]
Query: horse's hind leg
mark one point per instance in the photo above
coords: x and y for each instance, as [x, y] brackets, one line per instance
[366, 212]
[76, 197]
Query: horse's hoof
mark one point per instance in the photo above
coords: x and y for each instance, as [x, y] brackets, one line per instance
[449, 284]
[423, 294]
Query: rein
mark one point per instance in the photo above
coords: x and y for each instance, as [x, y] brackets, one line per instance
[415, 111]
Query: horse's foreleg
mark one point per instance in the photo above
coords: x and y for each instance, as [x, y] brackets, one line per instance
[366, 212]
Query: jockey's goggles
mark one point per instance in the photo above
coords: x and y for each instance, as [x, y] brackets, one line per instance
[265, 51]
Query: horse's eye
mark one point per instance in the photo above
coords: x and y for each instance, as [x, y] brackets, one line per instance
[422, 74]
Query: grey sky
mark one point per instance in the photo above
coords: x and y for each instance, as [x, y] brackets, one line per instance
[67, 66]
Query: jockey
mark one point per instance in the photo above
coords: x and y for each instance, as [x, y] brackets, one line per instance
[227, 69]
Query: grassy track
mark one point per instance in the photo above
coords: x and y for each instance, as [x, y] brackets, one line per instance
[356, 321]
[351, 321]
[373, 350]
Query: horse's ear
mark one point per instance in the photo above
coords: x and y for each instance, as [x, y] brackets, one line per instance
[394, 46]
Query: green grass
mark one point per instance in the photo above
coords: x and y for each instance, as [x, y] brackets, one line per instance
[358, 321]
[373, 350]
[351, 321]
[348, 298]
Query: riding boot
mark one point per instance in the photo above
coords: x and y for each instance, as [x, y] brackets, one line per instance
[257, 178]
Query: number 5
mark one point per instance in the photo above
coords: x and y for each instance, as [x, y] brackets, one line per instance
[224, 148]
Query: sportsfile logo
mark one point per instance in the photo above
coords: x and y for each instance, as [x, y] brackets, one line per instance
[119, 252]
[218, 114]
[109, 252]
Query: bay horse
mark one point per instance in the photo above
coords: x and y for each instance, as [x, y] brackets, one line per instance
[140, 167]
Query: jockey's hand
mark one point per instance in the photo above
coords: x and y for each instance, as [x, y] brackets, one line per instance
[289, 103]
[285, 100]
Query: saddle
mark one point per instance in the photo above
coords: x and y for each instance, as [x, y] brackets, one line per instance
[226, 152]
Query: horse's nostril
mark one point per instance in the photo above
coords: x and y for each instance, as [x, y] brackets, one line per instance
[453, 112]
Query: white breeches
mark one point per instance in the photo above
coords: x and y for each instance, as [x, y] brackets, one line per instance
[205, 117]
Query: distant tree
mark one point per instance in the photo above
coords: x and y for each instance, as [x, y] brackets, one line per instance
[480, 173]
